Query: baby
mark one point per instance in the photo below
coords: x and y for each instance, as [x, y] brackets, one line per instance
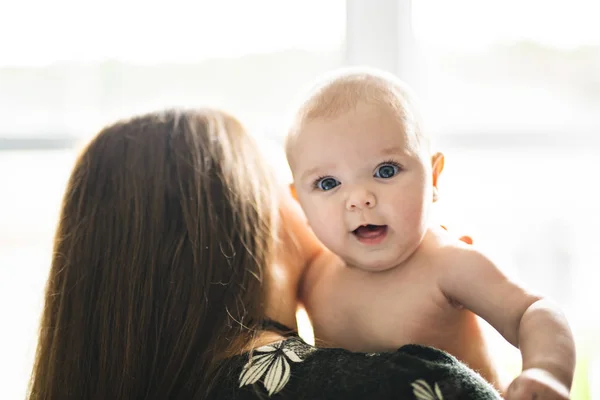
[366, 179]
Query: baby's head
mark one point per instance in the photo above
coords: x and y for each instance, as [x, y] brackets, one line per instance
[362, 168]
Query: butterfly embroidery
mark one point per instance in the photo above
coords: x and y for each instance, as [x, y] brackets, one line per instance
[272, 362]
[423, 391]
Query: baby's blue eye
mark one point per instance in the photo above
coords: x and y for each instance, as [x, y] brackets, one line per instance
[386, 171]
[326, 184]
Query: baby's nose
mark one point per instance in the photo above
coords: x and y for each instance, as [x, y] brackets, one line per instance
[360, 199]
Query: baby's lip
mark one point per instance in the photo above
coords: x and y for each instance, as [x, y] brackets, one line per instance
[367, 226]
[370, 234]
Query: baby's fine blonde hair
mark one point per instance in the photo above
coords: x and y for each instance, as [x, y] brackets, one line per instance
[343, 89]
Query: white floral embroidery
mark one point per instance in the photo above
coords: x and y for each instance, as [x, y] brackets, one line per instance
[272, 362]
[422, 391]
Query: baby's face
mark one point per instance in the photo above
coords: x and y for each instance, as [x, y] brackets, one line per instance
[364, 185]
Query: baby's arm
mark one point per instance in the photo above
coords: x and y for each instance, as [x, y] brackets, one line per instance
[529, 322]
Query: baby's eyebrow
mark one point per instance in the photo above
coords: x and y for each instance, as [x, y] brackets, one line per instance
[395, 150]
[388, 151]
[309, 172]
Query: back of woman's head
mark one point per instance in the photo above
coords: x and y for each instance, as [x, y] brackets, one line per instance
[157, 270]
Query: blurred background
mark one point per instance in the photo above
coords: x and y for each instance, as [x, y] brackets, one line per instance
[510, 91]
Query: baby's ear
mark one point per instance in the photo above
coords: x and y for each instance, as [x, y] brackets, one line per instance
[293, 191]
[437, 166]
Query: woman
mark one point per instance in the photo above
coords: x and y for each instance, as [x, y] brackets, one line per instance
[175, 271]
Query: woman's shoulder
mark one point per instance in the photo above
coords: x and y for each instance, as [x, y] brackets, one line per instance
[294, 369]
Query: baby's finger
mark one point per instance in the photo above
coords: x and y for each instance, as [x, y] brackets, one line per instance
[466, 239]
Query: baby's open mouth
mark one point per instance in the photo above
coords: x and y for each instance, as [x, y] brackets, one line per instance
[369, 232]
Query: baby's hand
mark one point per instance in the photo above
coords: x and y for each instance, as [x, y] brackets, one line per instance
[467, 239]
[538, 384]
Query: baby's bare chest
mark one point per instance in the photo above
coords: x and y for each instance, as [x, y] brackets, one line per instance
[382, 312]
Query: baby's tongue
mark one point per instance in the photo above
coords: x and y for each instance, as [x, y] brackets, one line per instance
[369, 231]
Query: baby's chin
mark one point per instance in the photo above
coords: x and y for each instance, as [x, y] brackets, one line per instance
[373, 265]
[378, 261]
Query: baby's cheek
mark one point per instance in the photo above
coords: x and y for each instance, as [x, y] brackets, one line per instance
[314, 218]
[327, 228]
[326, 225]
[413, 216]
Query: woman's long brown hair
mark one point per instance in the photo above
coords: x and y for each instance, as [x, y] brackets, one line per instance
[158, 263]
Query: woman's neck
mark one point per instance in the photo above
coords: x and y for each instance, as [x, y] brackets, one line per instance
[297, 249]
[282, 297]
[281, 306]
